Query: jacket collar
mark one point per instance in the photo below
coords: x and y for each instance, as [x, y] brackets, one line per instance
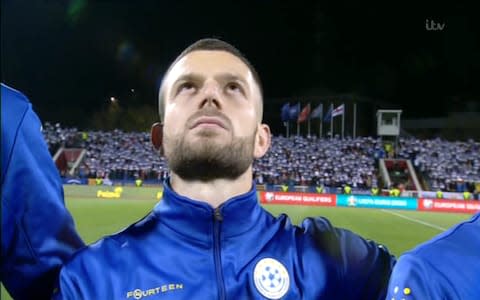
[195, 219]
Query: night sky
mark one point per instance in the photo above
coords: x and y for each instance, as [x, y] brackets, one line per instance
[70, 57]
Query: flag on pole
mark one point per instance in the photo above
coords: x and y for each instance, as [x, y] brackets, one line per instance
[338, 111]
[303, 116]
[328, 115]
[285, 112]
[293, 112]
[317, 112]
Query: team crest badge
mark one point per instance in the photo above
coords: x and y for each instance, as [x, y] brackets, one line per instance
[271, 278]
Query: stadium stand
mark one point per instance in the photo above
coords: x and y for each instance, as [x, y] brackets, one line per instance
[447, 166]
[297, 160]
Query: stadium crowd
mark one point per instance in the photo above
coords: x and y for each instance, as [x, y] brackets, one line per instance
[297, 160]
[447, 166]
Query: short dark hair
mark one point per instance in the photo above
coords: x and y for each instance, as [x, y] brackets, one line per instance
[207, 44]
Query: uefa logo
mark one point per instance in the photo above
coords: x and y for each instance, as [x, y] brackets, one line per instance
[427, 203]
[352, 201]
[271, 278]
[269, 196]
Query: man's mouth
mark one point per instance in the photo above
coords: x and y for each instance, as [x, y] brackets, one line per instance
[208, 122]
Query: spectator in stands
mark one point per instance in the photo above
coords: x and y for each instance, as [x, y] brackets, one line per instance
[211, 105]
[320, 188]
[394, 191]
[374, 191]
[439, 194]
[38, 233]
[347, 190]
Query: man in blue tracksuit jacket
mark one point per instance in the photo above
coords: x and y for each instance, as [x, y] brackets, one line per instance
[446, 267]
[208, 237]
[38, 234]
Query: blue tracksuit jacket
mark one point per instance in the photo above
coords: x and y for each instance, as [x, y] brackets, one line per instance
[446, 267]
[184, 249]
[37, 231]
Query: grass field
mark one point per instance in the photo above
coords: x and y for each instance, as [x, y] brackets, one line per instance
[398, 230]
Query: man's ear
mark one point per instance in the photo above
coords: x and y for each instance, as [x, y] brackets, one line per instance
[262, 141]
[156, 136]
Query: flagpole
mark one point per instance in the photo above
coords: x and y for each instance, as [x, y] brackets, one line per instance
[354, 120]
[288, 129]
[308, 126]
[320, 133]
[343, 122]
[321, 127]
[309, 114]
[331, 121]
[298, 128]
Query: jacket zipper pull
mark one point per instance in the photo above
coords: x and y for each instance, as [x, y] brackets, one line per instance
[218, 214]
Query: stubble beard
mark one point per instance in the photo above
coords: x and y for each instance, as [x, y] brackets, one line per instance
[206, 159]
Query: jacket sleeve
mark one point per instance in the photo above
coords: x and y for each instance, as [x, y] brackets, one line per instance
[363, 266]
[81, 277]
[38, 232]
[411, 279]
[66, 288]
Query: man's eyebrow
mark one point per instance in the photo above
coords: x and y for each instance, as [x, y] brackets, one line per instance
[219, 77]
[231, 77]
[188, 77]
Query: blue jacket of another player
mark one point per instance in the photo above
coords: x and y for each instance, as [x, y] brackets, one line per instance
[446, 267]
[185, 249]
[38, 234]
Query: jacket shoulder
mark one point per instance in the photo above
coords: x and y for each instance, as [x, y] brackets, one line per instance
[14, 104]
[464, 233]
[110, 244]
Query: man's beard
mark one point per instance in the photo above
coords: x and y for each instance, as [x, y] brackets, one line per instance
[208, 160]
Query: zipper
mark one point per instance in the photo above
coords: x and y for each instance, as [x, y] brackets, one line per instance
[217, 221]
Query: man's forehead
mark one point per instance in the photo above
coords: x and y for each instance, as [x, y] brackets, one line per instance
[208, 62]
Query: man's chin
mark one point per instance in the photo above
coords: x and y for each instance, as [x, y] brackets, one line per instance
[207, 134]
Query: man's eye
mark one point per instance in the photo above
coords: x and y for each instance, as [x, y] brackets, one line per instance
[187, 86]
[233, 87]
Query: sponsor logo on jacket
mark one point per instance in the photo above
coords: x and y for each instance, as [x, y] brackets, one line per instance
[139, 293]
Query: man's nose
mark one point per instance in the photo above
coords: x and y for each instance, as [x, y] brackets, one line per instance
[211, 94]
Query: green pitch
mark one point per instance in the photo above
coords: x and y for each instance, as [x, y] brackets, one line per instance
[398, 230]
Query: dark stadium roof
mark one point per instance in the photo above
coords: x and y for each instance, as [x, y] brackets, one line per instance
[70, 57]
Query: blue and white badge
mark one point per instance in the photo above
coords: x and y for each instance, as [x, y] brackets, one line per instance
[271, 278]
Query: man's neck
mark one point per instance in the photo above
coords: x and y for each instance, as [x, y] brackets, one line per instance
[214, 192]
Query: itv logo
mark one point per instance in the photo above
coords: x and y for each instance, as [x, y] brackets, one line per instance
[431, 25]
